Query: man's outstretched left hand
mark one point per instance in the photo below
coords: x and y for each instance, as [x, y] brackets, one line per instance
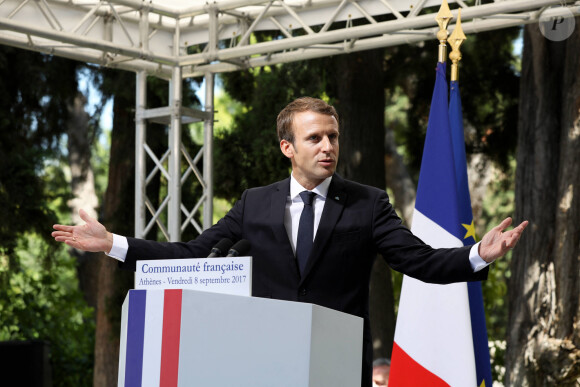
[497, 242]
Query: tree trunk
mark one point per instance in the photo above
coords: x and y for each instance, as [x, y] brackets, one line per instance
[83, 190]
[399, 181]
[544, 319]
[361, 103]
[118, 211]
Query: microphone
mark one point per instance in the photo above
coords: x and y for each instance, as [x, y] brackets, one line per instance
[240, 248]
[220, 248]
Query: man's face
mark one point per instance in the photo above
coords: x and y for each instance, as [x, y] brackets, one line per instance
[381, 375]
[314, 153]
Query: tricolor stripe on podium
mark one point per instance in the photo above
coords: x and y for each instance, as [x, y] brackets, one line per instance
[154, 362]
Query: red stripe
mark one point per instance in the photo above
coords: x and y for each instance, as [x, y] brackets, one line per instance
[405, 371]
[170, 339]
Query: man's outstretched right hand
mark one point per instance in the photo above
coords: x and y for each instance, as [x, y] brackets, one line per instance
[91, 236]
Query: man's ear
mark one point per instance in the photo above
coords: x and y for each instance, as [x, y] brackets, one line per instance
[287, 148]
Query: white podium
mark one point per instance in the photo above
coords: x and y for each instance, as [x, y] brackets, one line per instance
[191, 338]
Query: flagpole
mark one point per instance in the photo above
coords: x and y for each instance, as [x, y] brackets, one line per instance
[443, 18]
[456, 39]
[474, 291]
[434, 340]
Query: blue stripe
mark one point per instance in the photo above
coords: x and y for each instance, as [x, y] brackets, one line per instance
[479, 332]
[135, 338]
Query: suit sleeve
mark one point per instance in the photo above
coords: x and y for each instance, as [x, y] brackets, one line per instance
[409, 255]
[230, 226]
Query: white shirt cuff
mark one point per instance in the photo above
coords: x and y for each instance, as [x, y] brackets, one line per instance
[120, 248]
[477, 263]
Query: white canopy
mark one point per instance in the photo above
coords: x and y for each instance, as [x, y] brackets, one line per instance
[157, 35]
[176, 39]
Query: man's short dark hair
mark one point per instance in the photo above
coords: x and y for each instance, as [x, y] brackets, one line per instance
[285, 121]
[381, 362]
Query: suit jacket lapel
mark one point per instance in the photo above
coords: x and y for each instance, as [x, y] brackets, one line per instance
[278, 209]
[332, 210]
[277, 214]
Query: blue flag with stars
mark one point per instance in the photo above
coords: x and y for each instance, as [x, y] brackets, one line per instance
[478, 327]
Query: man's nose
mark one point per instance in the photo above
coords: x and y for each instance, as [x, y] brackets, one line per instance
[326, 144]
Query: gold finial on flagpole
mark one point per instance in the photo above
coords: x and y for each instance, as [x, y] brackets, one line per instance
[455, 40]
[443, 18]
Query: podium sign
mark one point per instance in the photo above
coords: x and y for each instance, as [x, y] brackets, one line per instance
[182, 338]
[229, 275]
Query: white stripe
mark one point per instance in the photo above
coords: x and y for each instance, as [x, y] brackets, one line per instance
[153, 337]
[123, 342]
[433, 323]
[431, 233]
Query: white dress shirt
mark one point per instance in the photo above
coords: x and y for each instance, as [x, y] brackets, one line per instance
[294, 206]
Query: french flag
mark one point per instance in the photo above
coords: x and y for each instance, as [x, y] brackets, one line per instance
[155, 361]
[440, 336]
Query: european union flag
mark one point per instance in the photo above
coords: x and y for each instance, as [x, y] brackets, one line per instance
[478, 327]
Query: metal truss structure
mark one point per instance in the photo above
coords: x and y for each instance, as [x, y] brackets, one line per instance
[176, 39]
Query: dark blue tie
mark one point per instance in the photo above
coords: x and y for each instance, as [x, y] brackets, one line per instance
[305, 230]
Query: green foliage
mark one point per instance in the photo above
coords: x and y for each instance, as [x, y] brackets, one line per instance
[225, 109]
[498, 204]
[489, 92]
[32, 117]
[497, 349]
[247, 154]
[100, 163]
[41, 301]
[40, 297]
[397, 280]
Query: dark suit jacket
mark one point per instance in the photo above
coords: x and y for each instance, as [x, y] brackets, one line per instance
[357, 223]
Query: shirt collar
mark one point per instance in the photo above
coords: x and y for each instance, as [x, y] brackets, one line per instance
[321, 189]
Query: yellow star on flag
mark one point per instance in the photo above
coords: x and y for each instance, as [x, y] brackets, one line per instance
[470, 230]
[483, 381]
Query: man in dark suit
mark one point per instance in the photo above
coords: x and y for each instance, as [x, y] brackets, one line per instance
[348, 225]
